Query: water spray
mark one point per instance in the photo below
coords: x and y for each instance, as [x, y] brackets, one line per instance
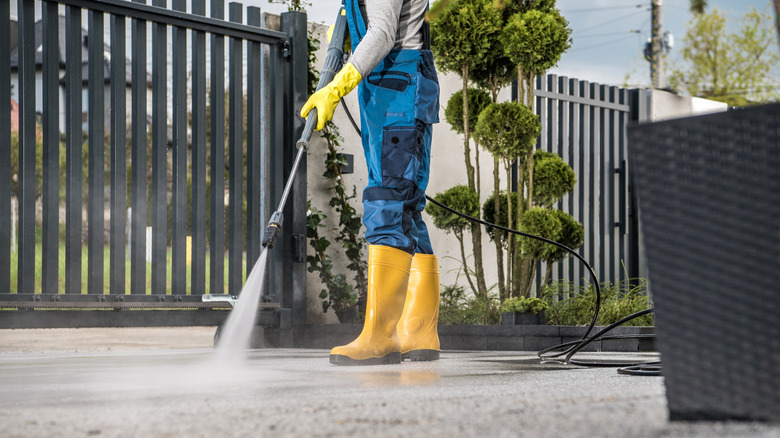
[333, 63]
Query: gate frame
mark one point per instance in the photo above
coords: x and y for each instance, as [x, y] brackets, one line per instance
[280, 57]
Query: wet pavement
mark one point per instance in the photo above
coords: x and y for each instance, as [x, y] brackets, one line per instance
[183, 392]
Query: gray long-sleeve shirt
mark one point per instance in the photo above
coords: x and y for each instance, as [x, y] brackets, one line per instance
[391, 24]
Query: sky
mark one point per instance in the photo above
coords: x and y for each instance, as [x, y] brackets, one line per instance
[608, 35]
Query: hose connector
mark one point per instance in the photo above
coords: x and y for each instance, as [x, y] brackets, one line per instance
[272, 230]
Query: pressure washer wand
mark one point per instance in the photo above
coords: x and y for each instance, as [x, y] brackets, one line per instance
[333, 62]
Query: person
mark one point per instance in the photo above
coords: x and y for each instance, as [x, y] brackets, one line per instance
[398, 90]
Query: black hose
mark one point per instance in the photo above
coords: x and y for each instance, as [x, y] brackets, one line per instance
[545, 240]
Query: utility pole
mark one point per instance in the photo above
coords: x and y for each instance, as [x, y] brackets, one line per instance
[657, 45]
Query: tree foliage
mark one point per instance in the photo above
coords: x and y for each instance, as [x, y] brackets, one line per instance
[502, 218]
[536, 39]
[572, 235]
[489, 43]
[539, 222]
[478, 100]
[508, 130]
[737, 67]
[460, 198]
[553, 178]
[462, 34]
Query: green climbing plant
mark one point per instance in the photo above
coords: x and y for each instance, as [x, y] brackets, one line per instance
[350, 221]
[339, 293]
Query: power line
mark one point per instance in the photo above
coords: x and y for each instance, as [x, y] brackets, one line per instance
[602, 8]
[611, 21]
[600, 44]
[596, 35]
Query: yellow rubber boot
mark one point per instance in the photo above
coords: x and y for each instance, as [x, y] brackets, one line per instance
[388, 279]
[417, 328]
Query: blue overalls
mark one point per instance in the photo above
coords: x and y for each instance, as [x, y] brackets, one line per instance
[399, 102]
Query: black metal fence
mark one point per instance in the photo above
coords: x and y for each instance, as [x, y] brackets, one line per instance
[586, 124]
[189, 160]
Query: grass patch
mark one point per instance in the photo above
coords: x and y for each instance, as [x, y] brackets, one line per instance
[106, 271]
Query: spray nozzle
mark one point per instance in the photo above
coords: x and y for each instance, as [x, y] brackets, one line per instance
[272, 230]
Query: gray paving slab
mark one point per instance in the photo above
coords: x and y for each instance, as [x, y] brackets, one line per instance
[297, 393]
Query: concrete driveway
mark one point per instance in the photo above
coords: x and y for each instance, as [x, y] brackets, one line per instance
[168, 383]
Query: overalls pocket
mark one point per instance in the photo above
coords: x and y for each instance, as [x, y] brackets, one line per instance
[391, 80]
[426, 98]
[401, 150]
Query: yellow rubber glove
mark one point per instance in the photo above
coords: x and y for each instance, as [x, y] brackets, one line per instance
[326, 99]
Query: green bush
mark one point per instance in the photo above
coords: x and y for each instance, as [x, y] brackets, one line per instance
[477, 101]
[460, 198]
[572, 305]
[553, 178]
[489, 214]
[456, 308]
[539, 222]
[523, 305]
[536, 39]
[507, 130]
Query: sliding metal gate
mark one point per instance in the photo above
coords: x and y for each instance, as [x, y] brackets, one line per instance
[586, 124]
[171, 132]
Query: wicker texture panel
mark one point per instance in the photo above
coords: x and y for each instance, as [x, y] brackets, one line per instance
[709, 198]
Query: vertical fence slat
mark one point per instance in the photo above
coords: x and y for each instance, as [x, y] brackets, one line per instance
[564, 142]
[622, 193]
[118, 156]
[5, 153]
[614, 168]
[576, 164]
[266, 123]
[198, 255]
[609, 183]
[74, 144]
[254, 171]
[294, 25]
[604, 178]
[595, 129]
[138, 160]
[159, 189]
[235, 153]
[276, 167]
[587, 181]
[96, 110]
[217, 231]
[549, 144]
[588, 206]
[26, 162]
[51, 150]
[179, 195]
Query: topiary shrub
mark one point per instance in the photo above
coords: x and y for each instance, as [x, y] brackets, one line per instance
[523, 305]
[478, 100]
[502, 218]
[553, 178]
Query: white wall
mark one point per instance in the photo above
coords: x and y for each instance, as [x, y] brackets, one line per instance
[665, 106]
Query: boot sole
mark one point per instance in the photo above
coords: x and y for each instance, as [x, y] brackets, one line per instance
[421, 355]
[390, 359]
